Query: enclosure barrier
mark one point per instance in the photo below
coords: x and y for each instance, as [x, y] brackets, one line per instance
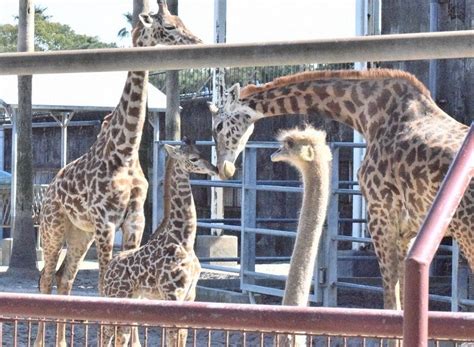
[439, 45]
[326, 280]
[264, 318]
[456, 182]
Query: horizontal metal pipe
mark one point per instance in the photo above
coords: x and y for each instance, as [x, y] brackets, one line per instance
[81, 123]
[312, 320]
[440, 45]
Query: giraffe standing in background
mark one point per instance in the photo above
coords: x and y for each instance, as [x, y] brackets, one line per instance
[105, 188]
[166, 268]
[308, 152]
[410, 145]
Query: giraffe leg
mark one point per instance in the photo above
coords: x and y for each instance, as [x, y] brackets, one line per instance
[52, 239]
[134, 222]
[404, 244]
[384, 232]
[116, 336]
[78, 242]
[104, 240]
[176, 337]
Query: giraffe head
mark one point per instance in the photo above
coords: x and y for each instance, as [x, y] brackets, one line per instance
[190, 159]
[232, 125]
[161, 28]
[299, 147]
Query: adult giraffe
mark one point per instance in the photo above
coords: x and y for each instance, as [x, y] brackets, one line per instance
[410, 145]
[105, 188]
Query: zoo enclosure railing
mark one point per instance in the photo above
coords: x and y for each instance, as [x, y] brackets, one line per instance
[361, 325]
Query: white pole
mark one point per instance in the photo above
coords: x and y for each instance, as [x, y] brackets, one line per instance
[220, 19]
[358, 207]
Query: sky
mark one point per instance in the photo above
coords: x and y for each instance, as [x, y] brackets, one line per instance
[247, 20]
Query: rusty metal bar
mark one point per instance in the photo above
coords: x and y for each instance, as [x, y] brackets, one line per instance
[265, 318]
[439, 45]
[415, 320]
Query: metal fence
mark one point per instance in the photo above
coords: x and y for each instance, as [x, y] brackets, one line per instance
[326, 279]
[212, 324]
[197, 83]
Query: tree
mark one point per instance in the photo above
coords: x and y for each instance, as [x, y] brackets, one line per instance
[49, 36]
[23, 252]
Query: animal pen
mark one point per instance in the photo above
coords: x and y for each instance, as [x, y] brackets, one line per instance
[232, 324]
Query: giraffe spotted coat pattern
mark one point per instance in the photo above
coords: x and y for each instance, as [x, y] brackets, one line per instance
[166, 267]
[105, 188]
[410, 145]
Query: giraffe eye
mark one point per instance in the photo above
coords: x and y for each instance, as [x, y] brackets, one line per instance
[193, 160]
[219, 127]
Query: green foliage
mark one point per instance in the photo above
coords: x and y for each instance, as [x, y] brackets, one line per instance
[8, 38]
[49, 36]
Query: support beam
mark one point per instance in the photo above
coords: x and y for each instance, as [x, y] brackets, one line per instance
[420, 46]
[172, 118]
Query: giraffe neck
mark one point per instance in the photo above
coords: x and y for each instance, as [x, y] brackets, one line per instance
[316, 177]
[363, 104]
[181, 225]
[125, 127]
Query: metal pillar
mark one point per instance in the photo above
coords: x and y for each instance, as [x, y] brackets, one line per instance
[249, 216]
[159, 158]
[329, 272]
[218, 87]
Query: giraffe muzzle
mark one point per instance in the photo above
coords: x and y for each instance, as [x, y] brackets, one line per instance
[227, 170]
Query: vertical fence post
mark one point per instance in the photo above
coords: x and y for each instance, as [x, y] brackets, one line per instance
[330, 294]
[159, 158]
[455, 277]
[249, 215]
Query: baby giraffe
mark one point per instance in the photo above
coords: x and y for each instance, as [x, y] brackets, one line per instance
[165, 268]
[308, 152]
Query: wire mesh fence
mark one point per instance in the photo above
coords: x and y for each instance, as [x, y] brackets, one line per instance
[197, 83]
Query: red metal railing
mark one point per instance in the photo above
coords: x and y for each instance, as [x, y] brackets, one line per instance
[262, 318]
[416, 322]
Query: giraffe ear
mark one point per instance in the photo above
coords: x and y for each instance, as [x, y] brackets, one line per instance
[213, 108]
[232, 95]
[146, 20]
[307, 153]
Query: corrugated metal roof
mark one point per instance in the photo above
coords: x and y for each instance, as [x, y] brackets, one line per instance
[77, 91]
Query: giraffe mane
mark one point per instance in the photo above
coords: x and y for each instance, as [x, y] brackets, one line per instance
[308, 135]
[335, 74]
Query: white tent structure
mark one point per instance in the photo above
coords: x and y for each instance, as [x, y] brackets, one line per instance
[62, 95]
[65, 94]
[98, 91]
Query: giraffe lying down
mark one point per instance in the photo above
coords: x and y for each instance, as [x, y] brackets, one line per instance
[166, 267]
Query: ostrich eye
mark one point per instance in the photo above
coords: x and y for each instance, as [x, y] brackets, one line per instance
[290, 143]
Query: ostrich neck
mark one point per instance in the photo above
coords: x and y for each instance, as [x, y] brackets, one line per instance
[313, 213]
